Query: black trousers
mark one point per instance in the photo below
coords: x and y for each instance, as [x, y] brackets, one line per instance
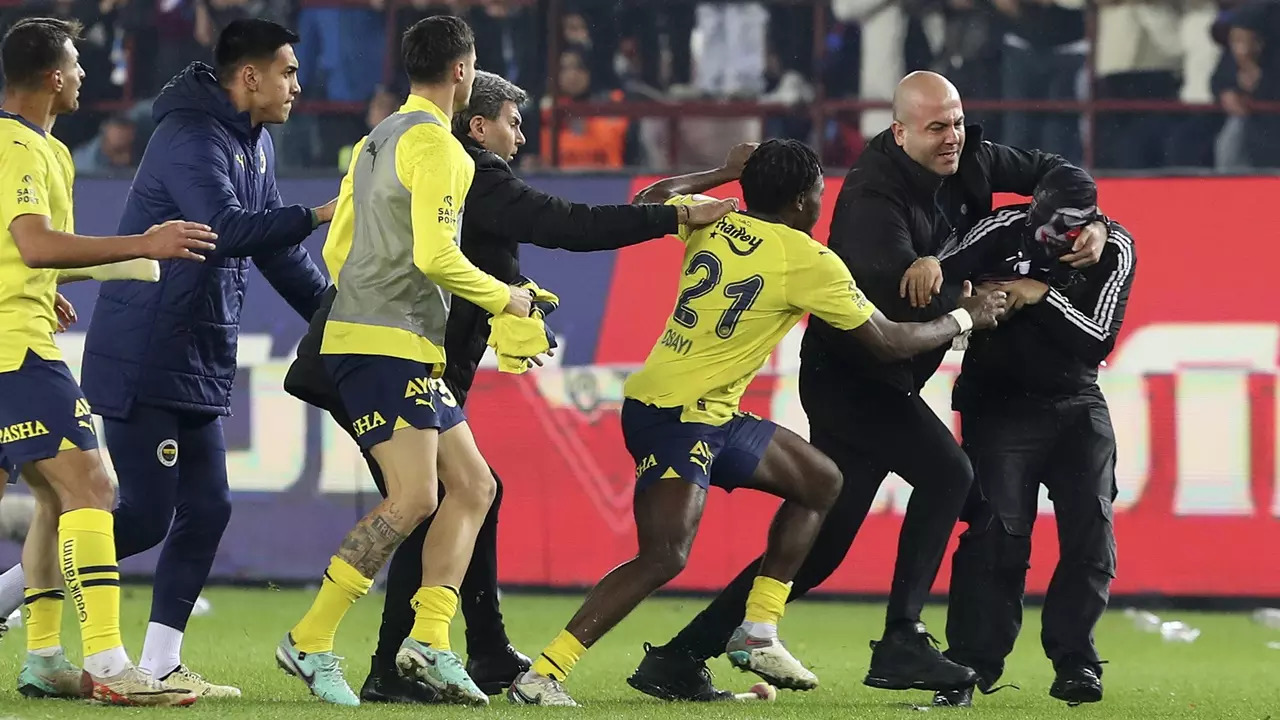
[1069, 446]
[486, 632]
[869, 430]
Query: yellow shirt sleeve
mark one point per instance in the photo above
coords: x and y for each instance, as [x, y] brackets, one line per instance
[337, 241]
[24, 183]
[438, 177]
[685, 231]
[818, 282]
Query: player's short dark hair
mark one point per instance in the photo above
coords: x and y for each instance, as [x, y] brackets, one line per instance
[33, 47]
[777, 173]
[432, 45]
[489, 93]
[249, 40]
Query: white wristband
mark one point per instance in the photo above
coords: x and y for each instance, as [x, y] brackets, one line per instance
[963, 317]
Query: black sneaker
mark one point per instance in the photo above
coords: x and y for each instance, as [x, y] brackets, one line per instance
[385, 684]
[494, 672]
[1077, 683]
[907, 658]
[954, 698]
[964, 696]
[674, 675]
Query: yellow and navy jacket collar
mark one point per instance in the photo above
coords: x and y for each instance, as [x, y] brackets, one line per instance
[418, 103]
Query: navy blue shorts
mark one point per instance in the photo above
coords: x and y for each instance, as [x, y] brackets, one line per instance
[42, 413]
[725, 455]
[383, 394]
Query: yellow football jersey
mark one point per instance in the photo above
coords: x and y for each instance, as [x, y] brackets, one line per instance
[746, 282]
[36, 175]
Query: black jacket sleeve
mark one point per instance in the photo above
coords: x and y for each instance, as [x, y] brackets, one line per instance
[982, 250]
[870, 232]
[505, 205]
[1012, 170]
[1087, 325]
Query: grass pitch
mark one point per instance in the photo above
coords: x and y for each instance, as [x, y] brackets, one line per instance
[1229, 672]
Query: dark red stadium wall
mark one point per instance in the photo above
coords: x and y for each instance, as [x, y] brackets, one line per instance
[1198, 352]
[1192, 386]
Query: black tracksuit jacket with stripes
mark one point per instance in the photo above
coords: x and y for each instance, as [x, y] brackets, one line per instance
[1052, 348]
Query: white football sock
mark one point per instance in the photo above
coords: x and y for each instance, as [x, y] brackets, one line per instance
[161, 651]
[47, 652]
[108, 663]
[764, 631]
[12, 585]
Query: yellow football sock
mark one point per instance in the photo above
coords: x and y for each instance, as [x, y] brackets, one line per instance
[558, 659]
[767, 600]
[341, 587]
[42, 614]
[87, 556]
[433, 611]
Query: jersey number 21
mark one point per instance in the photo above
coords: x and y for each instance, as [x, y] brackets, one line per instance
[741, 294]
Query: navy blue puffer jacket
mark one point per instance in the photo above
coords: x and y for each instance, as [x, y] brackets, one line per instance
[173, 343]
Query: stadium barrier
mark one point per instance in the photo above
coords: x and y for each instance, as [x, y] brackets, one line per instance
[1192, 387]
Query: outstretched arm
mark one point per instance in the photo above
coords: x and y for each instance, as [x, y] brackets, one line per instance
[198, 177]
[24, 210]
[699, 182]
[502, 204]
[818, 282]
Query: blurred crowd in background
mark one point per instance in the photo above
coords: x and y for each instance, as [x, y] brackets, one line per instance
[1215, 64]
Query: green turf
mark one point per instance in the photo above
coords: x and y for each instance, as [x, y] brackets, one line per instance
[1229, 672]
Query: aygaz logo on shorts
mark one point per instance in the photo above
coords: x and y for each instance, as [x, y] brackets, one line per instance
[167, 452]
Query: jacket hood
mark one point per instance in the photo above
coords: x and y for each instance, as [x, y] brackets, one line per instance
[196, 88]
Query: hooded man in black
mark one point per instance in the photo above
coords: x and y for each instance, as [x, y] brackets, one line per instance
[1032, 413]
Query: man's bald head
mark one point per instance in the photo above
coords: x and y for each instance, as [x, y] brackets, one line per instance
[919, 91]
[928, 121]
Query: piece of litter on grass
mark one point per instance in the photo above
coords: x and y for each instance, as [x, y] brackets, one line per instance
[1143, 620]
[1269, 617]
[1177, 631]
[202, 606]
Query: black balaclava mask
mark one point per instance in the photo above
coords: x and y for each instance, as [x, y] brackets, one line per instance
[1064, 203]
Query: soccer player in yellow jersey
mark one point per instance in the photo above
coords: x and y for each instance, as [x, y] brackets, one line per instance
[393, 255]
[46, 428]
[746, 281]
